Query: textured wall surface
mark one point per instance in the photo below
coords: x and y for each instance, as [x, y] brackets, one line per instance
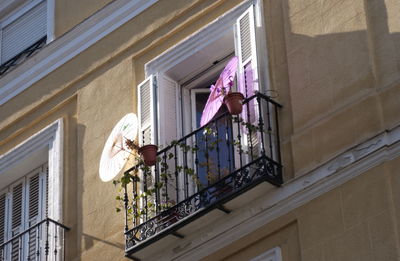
[356, 221]
[336, 67]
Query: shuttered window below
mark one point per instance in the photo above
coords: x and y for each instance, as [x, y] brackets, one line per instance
[22, 205]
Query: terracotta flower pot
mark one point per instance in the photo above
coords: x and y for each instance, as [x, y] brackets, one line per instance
[149, 154]
[234, 102]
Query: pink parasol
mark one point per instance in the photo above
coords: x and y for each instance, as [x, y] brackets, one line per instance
[218, 91]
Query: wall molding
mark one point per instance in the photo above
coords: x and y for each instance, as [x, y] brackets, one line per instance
[293, 194]
[271, 255]
[63, 49]
[196, 41]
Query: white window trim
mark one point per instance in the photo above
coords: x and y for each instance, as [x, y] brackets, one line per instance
[51, 9]
[271, 255]
[70, 45]
[50, 137]
[23, 8]
[193, 104]
[18, 12]
[204, 37]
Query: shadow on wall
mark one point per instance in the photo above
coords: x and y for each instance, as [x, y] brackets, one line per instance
[89, 242]
[325, 73]
[328, 71]
[336, 60]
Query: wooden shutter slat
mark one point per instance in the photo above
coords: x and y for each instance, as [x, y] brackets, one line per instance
[2, 221]
[248, 80]
[247, 53]
[17, 207]
[146, 111]
[46, 194]
[145, 105]
[15, 246]
[24, 31]
[2, 216]
[34, 196]
[16, 220]
[245, 37]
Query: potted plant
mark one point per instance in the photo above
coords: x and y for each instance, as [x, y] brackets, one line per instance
[147, 152]
[233, 100]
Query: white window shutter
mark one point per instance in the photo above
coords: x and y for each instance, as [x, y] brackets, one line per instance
[24, 31]
[33, 213]
[33, 199]
[36, 208]
[168, 110]
[248, 78]
[146, 110]
[17, 209]
[147, 125]
[246, 46]
[169, 123]
[2, 221]
[44, 190]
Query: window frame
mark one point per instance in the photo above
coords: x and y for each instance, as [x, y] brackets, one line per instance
[185, 49]
[204, 37]
[8, 192]
[50, 139]
[176, 54]
[274, 254]
[193, 93]
[21, 9]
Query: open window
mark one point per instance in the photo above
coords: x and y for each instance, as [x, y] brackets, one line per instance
[172, 98]
[166, 106]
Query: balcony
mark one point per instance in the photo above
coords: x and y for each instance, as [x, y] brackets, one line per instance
[218, 167]
[42, 241]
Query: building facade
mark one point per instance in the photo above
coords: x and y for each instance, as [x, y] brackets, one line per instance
[308, 172]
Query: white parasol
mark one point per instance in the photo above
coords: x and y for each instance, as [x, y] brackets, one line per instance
[115, 152]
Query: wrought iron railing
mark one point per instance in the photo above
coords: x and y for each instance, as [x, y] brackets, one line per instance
[203, 170]
[41, 242]
[22, 56]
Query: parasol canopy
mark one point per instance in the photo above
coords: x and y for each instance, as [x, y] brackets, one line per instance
[115, 152]
[218, 91]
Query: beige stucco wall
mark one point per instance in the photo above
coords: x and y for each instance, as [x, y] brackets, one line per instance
[69, 13]
[335, 65]
[356, 221]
